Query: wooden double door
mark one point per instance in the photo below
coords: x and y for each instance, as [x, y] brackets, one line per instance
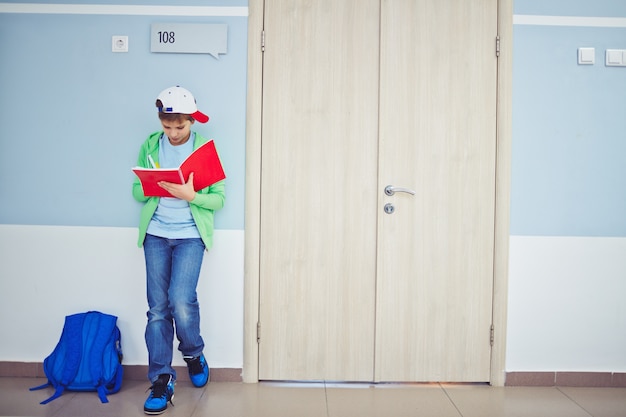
[377, 190]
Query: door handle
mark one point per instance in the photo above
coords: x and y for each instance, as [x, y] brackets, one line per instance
[391, 190]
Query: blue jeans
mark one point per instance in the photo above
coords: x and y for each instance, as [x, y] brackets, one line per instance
[172, 271]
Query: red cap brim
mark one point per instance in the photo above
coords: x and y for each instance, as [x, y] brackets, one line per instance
[200, 117]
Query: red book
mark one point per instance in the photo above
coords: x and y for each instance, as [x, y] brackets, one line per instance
[203, 162]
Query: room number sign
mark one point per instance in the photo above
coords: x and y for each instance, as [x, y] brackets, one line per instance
[190, 38]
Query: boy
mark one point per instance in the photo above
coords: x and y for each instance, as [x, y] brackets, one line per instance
[175, 232]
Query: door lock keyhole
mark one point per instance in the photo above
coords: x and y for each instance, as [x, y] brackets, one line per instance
[389, 208]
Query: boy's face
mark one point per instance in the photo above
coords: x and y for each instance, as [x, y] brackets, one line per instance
[178, 131]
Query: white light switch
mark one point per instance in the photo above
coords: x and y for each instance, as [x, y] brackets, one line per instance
[616, 57]
[586, 56]
[119, 43]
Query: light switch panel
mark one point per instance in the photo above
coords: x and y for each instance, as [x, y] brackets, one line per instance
[616, 57]
[586, 56]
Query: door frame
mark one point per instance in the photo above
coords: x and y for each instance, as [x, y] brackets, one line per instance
[252, 215]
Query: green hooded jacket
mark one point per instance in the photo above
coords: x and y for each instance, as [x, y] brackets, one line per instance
[202, 206]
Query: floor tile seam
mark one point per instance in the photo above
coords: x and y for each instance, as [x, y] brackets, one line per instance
[574, 401]
[450, 399]
[197, 402]
[326, 399]
[59, 412]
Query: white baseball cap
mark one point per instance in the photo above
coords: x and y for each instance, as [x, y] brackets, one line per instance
[180, 100]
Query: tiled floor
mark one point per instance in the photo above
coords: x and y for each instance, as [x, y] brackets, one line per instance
[323, 400]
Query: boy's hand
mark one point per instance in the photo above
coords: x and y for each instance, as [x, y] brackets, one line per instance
[182, 191]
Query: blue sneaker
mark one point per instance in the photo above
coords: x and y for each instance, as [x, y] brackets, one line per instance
[162, 393]
[198, 370]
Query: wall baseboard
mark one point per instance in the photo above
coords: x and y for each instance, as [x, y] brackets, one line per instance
[513, 379]
[565, 379]
[131, 372]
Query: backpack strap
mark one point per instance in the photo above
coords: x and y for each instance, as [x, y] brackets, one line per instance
[47, 384]
[71, 338]
[114, 386]
[103, 330]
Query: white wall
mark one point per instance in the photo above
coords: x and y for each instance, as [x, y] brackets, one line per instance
[566, 304]
[48, 272]
[566, 296]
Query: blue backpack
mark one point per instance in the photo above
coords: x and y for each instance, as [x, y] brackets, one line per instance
[88, 357]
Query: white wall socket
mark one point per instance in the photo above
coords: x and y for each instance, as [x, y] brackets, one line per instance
[119, 43]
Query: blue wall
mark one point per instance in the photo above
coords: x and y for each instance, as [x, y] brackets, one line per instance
[73, 114]
[569, 141]
[603, 8]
